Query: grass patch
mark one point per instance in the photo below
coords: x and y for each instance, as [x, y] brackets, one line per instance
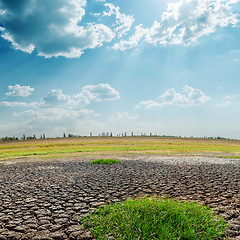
[113, 145]
[105, 161]
[232, 157]
[154, 218]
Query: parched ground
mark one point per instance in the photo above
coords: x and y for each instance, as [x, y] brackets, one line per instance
[45, 200]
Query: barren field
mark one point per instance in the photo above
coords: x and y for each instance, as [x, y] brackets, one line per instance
[45, 198]
[73, 147]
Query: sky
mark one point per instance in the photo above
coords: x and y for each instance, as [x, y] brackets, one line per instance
[164, 67]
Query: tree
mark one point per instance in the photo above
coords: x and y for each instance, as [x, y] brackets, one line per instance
[8, 139]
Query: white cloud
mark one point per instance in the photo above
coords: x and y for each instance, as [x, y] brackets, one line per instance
[98, 93]
[149, 104]
[185, 21]
[55, 98]
[123, 116]
[59, 31]
[230, 99]
[123, 22]
[20, 91]
[231, 96]
[188, 97]
[56, 114]
[18, 104]
[88, 93]
[13, 128]
[62, 109]
[225, 104]
[53, 122]
[132, 41]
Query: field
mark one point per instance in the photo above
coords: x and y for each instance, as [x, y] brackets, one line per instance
[61, 190]
[73, 147]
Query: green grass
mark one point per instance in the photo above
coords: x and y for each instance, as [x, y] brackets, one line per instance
[232, 157]
[105, 161]
[111, 145]
[154, 218]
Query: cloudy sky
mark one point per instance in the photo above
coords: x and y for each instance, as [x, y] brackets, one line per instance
[151, 66]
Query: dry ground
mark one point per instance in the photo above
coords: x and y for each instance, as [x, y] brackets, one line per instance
[47, 185]
[44, 199]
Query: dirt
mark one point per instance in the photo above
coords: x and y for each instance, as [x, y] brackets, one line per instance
[44, 199]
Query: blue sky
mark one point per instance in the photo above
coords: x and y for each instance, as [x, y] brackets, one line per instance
[149, 66]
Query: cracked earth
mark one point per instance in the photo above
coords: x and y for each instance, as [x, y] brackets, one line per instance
[45, 200]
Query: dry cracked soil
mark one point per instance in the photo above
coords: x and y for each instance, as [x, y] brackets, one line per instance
[45, 200]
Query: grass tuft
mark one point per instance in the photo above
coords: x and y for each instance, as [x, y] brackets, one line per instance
[105, 161]
[232, 157]
[154, 218]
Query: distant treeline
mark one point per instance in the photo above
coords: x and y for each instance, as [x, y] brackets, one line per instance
[109, 134]
[8, 139]
[3, 139]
